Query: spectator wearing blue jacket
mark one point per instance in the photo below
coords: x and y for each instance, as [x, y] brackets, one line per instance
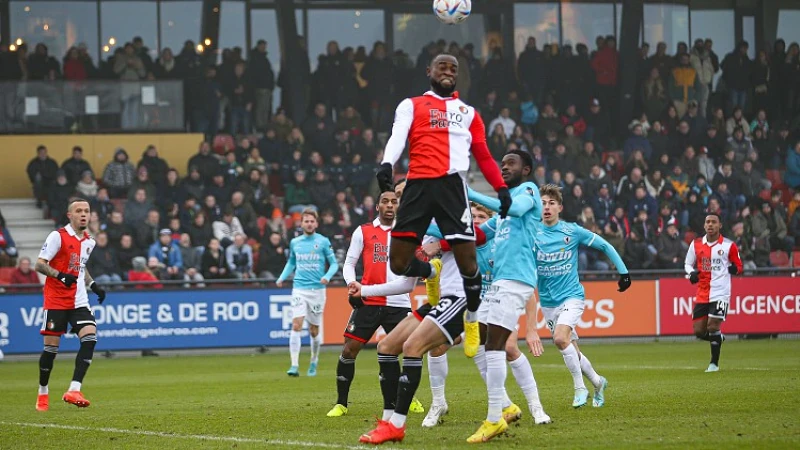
[168, 253]
[792, 176]
[637, 141]
[530, 113]
[642, 201]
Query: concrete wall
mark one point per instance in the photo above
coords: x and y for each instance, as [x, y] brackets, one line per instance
[17, 151]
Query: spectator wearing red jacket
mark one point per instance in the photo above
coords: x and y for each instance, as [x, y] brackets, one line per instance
[74, 66]
[571, 117]
[605, 64]
[25, 275]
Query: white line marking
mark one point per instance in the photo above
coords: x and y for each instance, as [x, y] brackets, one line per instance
[197, 437]
[613, 367]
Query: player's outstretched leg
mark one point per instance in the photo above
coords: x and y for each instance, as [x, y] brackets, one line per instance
[45, 369]
[316, 342]
[437, 374]
[715, 340]
[598, 381]
[563, 340]
[523, 374]
[295, 344]
[82, 361]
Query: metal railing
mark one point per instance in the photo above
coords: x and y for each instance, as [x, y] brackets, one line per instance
[338, 281]
[91, 106]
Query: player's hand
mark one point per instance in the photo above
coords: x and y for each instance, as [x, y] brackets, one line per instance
[733, 270]
[279, 284]
[384, 177]
[535, 344]
[624, 282]
[694, 277]
[67, 278]
[101, 293]
[323, 280]
[431, 249]
[505, 201]
[354, 288]
[355, 302]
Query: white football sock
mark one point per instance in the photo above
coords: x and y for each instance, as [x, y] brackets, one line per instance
[471, 316]
[571, 359]
[588, 370]
[523, 373]
[387, 414]
[44, 390]
[496, 372]
[480, 361]
[74, 386]
[398, 420]
[316, 342]
[294, 347]
[437, 374]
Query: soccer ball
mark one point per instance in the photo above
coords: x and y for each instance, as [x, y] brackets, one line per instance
[452, 12]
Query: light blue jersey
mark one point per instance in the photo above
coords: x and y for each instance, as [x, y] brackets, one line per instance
[308, 255]
[485, 255]
[557, 261]
[514, 235]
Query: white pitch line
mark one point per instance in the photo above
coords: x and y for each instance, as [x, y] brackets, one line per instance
[613, 367]
[197, 437]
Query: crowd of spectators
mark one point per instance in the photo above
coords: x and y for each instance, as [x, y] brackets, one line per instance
[692, 147]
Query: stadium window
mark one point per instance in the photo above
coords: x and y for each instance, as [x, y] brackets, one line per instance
[350, 28]
[788, 30]
[120, 22]
[583, 22]
[667, 23]
[180, 21]
[232, 27]
[539, 20]
[412, 32]
[717, 25]
[58, 25]
[264, 25]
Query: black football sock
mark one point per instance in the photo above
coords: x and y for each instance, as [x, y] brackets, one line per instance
[389, 376]
[46, 364]
[705, 337]
[408, 384]
[345, 371]
[716, 346]
[84, 357]
[472, 288]
[418, 269]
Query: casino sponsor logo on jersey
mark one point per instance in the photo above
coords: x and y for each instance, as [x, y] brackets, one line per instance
[446, 119]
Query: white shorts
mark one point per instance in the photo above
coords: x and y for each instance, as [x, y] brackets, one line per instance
[567, 313]
[483, 314]
[308, 303]
[505, 301]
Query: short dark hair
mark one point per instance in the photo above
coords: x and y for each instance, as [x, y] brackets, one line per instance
[719, 218]
[76, 200]
[527, 159]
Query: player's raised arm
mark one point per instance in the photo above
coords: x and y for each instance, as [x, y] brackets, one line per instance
[333, 265]
[594, 241]
[288, 269]
[487, 164]
[403, 117]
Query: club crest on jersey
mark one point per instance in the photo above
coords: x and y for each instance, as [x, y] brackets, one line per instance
[720, 252]
[463, 109]
[529, 190]
[51, 325]
[491, 263]
[351, 327]
[316, 246]
[566, 241]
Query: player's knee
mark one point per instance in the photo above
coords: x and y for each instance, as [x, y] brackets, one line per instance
[561, 342]
[351, 349]
[512, 351]
[439, 351]
[412, 348]
[297, 326]
[699, 333]
[713, 327]
[387, 347]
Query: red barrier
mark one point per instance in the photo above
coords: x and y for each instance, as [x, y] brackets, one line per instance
[758, 305]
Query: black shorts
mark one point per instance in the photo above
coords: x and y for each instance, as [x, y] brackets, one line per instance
[364, 321]
[443, 199]
[714, 310]
[448, 315]
[56, 320]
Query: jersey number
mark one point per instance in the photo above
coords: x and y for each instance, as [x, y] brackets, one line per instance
[466, 219]
[443, 305]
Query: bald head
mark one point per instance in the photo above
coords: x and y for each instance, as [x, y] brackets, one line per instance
[443, 73]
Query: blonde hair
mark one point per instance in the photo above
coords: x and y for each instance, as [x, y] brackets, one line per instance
[310, 212]
[482, 209]
[552, 191]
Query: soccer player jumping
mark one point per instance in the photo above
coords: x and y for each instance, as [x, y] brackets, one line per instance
[561, 294]
[710, 262]
[441, 131]
[63, 260]
[308, 254]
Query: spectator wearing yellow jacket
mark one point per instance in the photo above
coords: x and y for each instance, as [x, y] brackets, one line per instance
[684, 85]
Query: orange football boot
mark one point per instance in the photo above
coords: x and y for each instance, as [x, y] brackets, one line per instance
[384, 432]
[43, 402]
[76, 398]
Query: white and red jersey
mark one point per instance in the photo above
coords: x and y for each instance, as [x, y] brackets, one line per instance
[66, 252]
[711, 260]
[379, 285]
[441, 132]
[451, 283]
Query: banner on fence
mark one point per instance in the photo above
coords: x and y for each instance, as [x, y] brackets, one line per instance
[757, 305]
[197, 318]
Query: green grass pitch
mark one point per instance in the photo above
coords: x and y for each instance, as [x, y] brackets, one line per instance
[658, 397]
